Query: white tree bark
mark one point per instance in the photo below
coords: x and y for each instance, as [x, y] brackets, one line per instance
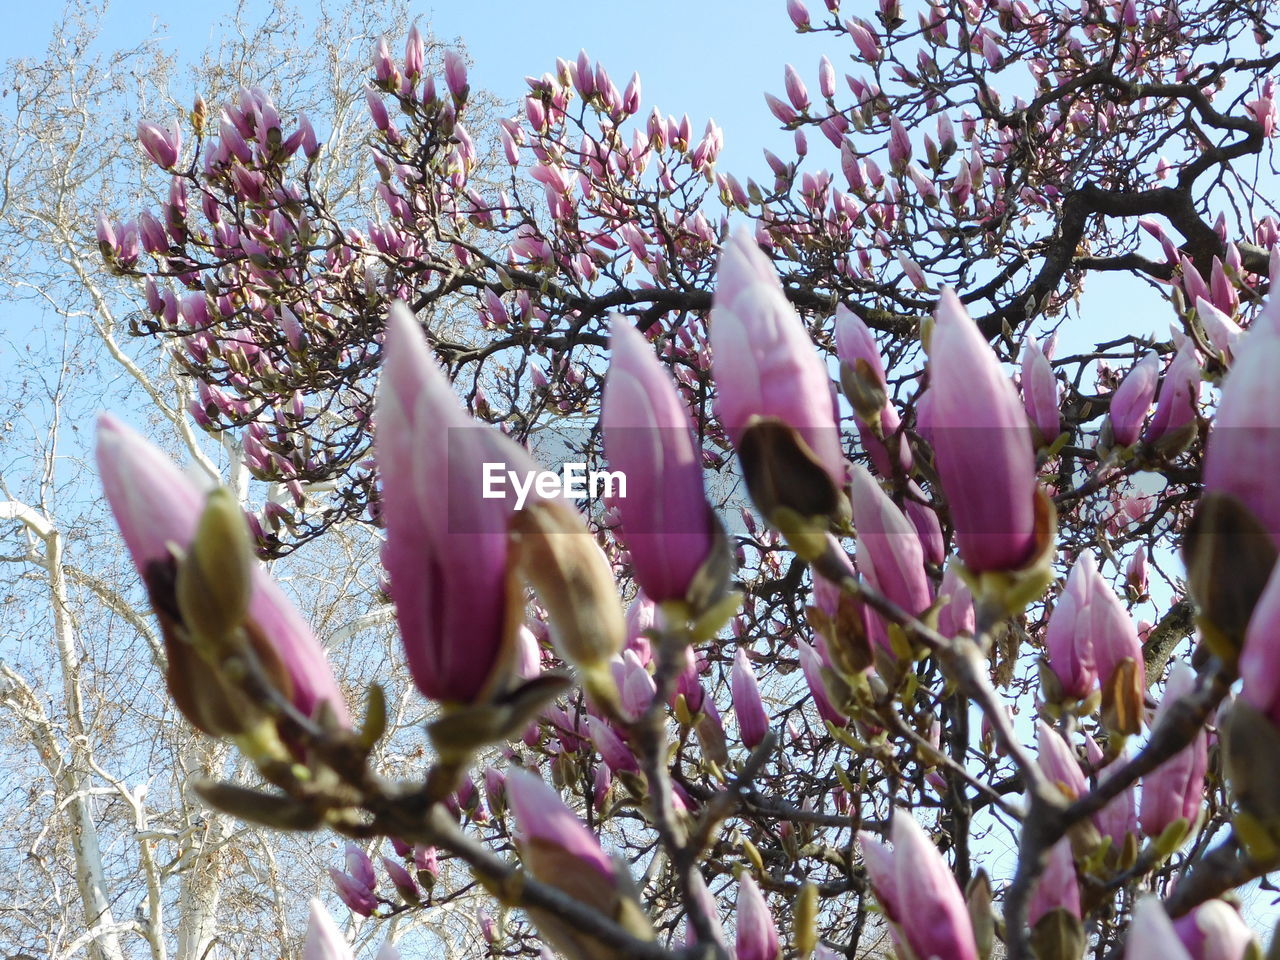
[70, 769]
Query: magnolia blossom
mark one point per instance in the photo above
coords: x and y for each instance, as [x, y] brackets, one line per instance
[764, 363]
[667, 525]
[447, 545]
[156, 506]
[975, 422]
[918, 892]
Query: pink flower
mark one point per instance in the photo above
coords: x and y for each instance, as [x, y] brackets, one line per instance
[666, 522]
[414, 52]
[1151, 935]
[1040, 392]
[757, 933]
[1223, 332]
[1243, 454]
[352, 891]
[446, 551]
[957, 615]
[545, 823]
[1176, 408]
[753, 722]
[764, 362]
[890, 553]
[1069, 634]
[977, 427]
[1175, 789]
[811, 665]
[1058, 761]
[156, 505]
[1214, 931]
[162, 144]
[918, 892]
[455, 75]
[1058, 887]
[323, 940]
[1118, 818]
[1260, 656]
[1132, 400]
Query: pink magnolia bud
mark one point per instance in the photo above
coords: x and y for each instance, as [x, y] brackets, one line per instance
[383, 66]
[667, 525]
[797, 93]
[1058, 761]
[323, 940]
[1069, 634]
[780, 109]
[162, 144]
[156, 506]
[455, 75]
[550, 832]
[957, 615]
[616, 754]
[635, 684]
[414, 53]
[857, 347]
[1119, 818]
[1132, 400]
[919, 895]
[1058, 887]
[1176, 407]
[972, 417]
[1243, 453]
[1135, 574]
[1111, 629]
[864, 40]
[1222, 332]
[753, 722]
[889, 550]
[899, 145]
[928, 526]
[764, 363]
[827, 83]
[354, 893]
[1260, 656]
[642, 616]
[1040, 392]
[1214, 931]
[798, 14]
[402, 880]
[1175, 789]
[359, 866]
[811, 665]
[757, 933]
[1151, 935]
[447, 543]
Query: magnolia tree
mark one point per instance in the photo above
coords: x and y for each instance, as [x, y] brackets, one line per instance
[982, 652]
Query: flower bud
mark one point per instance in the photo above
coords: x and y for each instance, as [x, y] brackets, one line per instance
[1175, 790]
[757, 933]
[1040, 392]
[1214, 931]
[210, 596]
[774, 393]
[919, 895]
[972, 417]
[323, 940]
[753, 722]
[1132, 400]
[667, 524]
